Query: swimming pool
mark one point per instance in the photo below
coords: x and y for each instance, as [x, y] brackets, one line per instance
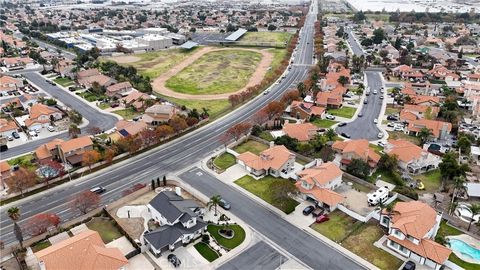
[465, 249]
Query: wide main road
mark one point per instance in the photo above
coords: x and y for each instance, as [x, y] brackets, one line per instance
[95, 118]
[180, 154]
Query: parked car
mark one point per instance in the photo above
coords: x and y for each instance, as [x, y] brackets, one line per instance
[266, 92]
[375, 120]
[409, 266]
[37, 130]
[308, 210]
[15, 135]
[380, 135]
[342, 124]
[98, 189]
[392, 117]
[71, 89]
[351, 103]
[382, 144]
[322, 218]
[224, 204]
[318, 211]
[330, 117]
[381, 97]
[390, 124]
[32, 133]
[51, 128]
[365, 101]
[345, 135]
[398, 128]
[10, 138]
[374, 92]
[360, 114]
[174, 260]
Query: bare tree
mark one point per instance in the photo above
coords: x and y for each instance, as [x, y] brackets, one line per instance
[21, 180]
[85, 201]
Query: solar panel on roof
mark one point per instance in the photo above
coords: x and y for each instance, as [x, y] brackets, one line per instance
[124, 133]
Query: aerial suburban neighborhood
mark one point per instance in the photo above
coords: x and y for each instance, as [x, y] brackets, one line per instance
[303, 134]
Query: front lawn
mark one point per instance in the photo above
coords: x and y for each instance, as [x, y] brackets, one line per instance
[432, 180]
[377, 148]
[361, 242]
[225, 161]
[127, 114]
[465, 265]
[250, 146]
[391, 110]
[105, 227]
[238, 235]
[90, 97]
[345, 112]
[267, 136]
[261, 188]
[338, 227]
[323, 123]
[206, 251]
[65, 82]
[395, 135]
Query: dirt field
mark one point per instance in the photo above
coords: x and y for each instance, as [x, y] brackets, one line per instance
[214, 76]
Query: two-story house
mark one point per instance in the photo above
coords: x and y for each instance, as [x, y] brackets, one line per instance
[411, 228]
[119, 89]
[8, 84]
[438, 129]
[305, 110]
[158, 114]
[7, 127]
[277, 161]
[180, 222]
[356, 149]
[41, 115]
[70, 151]
[317, 184]
[412, 158]
[414, 112]
[303, 132]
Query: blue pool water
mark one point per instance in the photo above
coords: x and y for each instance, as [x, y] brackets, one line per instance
[465, 249]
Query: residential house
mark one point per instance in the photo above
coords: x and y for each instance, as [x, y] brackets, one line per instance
[304, 110]
[135, 99]
[16, 63]
[439, 129]
[473, 77]
[317, 184]
[119, 89]
[70, 151]
[5, 173]
[356, 149]
[127, 128]
[180, 222]
[412, 226]
[41, 115]
[159, 113]
[329, 100]
[85, 251]
[87, 73]
[439, 72]
[414, 112]
[303, 132]
[407, 72]
[425, 100]
[277, 161]
[412, 158]
[28, 100]
[7, 127]
[9, 84]
[102, 80]
[65, 68]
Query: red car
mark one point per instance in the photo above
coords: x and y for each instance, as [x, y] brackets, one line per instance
[322, 218]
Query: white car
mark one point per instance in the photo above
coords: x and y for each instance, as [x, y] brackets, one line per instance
[382, 144]
[330, 117]
[380, 135]
[375, 121]
[32, 133]
[10, 138]
[374, 92]
[390, 124]
[50, 128]
[398, 128]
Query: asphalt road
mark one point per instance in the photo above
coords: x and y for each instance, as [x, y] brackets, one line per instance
[95, 117]
[259, 256]
[354, 45]
[295, 241]
[171, 157]
[65, 53]
[364, 127]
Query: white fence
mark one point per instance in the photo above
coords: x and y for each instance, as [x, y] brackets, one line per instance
[453, 266]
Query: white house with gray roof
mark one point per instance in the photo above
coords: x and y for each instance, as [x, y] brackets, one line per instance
[180, 222]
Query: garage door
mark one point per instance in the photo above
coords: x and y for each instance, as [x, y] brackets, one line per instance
[415, 257]
[430, 263]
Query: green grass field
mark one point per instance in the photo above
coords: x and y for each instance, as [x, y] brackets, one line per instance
[65, 82]
[106, 228]
[23, 161]
[346, 112]
[216, 72]
[206, 251]
[337, 228]
[215, 107]
[153, 64]
[261, 188]
[278, 56]
[224, 161]
[432, 180]
[238, 236]
[324, 123]
[266, 37]
[127, 114]
[251, 146]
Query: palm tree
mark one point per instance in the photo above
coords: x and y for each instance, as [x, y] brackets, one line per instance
[458, 185]
[424, 134]
[214, 201]
[475, 208]
[14, 215]
[330, 134]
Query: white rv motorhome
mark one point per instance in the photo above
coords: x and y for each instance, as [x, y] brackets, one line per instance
[380, 195]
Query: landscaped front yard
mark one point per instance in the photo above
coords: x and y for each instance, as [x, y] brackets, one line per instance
[251, 146]
[224, 161]
[262, 188]
[238, 235]
[345, 112]
[206, 251]
[390, 110]
[395, 135]
[65, 82]
[127, 114]
[23, 161]
[41, 245]
[324, 123]
[105, 227]
[432, 180]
